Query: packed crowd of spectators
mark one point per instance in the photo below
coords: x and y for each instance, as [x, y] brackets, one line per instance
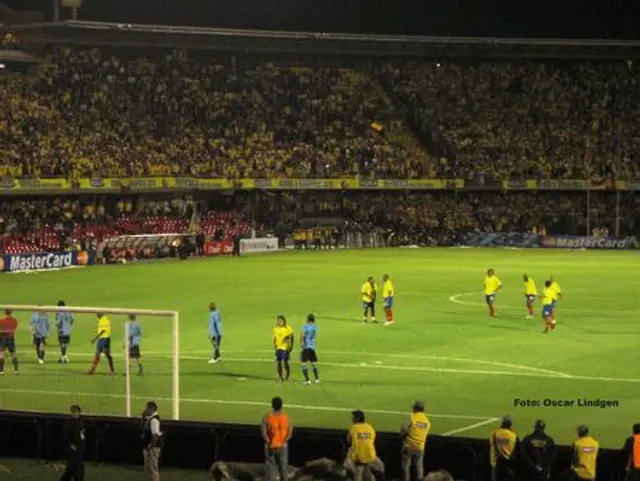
[421, 217]
[93, 113]
[418, 217]
[536, 119]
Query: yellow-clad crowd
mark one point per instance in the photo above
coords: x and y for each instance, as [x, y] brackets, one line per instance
[525, 118]
[91, 113]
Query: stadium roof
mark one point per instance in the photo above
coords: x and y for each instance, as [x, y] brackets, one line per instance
[115, 34]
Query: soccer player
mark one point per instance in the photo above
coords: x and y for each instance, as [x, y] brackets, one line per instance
[368, 294]
[40, 329]
[557, 295]
[64, 323]
[308, 339]
[491, 287]
[388, 291]
[134, 333]
[103, 344]
[547, 307]
[283, 344]
[530, 293]
[215, 332]
[8, 327]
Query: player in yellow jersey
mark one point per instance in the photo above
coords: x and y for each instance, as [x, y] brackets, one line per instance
[283, 344]
[103, 344]
[530, 293]
[491, 287]
[557, 290]
[368, 294]
[388, 293]
[547, 307]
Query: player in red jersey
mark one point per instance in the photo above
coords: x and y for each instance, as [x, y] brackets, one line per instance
[8, 327]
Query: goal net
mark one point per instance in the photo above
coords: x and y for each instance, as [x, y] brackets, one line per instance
[51, 378]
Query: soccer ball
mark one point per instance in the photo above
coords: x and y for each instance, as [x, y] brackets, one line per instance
[553, 322]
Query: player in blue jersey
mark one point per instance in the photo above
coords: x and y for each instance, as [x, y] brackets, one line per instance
[308, 341]
[134, 333]
[215, 332]
[40, 327]
[64, 323]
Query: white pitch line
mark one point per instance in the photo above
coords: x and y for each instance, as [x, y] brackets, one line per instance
[470, 427]
[410, 356]
[305, 407]
[427, 369]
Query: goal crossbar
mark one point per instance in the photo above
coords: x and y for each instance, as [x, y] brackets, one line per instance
[175, 355]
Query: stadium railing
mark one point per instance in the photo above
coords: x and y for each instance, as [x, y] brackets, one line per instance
[197, 445]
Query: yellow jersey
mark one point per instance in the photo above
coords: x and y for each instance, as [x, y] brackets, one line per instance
[387, 289]
[502, 444]
[282, 337]
[104, 327]
[585, 457]
[368, 292]
[530, 288]
[548, 296]
[557, 291]
[491, 285]
[419, 427]
[362, 437]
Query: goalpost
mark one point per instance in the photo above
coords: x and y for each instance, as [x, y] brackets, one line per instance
[175, 354]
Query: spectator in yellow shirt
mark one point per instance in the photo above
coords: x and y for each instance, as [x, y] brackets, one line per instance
[362, 450]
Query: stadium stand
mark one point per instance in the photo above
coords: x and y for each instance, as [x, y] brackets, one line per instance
[29, 225]
[536, 119]
[92, 113]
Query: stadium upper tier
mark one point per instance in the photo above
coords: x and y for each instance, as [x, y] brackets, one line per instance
[532, 119]
[115, 113]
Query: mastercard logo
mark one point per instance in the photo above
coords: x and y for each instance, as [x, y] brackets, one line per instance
[83, 258]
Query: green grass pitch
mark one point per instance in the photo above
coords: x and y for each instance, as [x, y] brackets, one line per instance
[444, 349]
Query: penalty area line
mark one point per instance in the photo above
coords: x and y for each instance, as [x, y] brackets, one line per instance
[302, 407]
[470, 427]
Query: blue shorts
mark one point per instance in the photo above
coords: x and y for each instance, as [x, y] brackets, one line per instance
[491, 298]
[531, 298]
[388, 302]
[103, 345]
[282, 355]
[546, 310]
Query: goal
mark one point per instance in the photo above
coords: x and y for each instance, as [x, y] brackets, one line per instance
[39, 383]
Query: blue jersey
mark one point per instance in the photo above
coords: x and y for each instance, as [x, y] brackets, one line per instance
[309, 336]
[135, 333]
[215, 324]
[40, 324]
[64, 322]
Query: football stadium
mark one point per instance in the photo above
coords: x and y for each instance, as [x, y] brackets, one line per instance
[257, 254]
[443, 347]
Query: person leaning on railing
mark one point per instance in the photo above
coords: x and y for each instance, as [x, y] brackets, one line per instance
[362, 454]
[414, 434]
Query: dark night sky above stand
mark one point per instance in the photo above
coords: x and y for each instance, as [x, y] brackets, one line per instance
[614, 19]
